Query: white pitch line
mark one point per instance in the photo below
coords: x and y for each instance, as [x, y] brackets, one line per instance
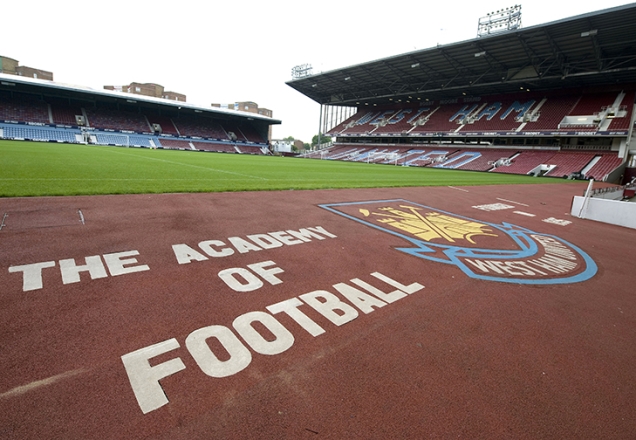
[459, 189]
[527, 214]
[512, 201]
[193, 166]
[17, 391]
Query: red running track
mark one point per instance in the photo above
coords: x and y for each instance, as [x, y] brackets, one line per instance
[271, 315]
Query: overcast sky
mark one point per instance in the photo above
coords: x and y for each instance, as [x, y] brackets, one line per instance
[240, 50]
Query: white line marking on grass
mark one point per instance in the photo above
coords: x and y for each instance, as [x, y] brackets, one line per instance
[512, 201]
[459, 189]
[17, 391]
[193, 166]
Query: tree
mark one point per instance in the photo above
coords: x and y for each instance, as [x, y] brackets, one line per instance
[323, 139]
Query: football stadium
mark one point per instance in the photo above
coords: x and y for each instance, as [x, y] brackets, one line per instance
[452, 259]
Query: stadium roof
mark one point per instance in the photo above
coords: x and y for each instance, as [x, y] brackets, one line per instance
[50, 88]
[598, 48]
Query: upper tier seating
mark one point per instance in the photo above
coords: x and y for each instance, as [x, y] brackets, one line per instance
[338, 128]
[23, 109]
[166, 124]
[367, 122]
[64, 114]
[628, 104]
[117, 120]
[525, 113]
[591, 104]
[500, 114]
[444, 118]
[251, 134]
[200, 128]
[552, 112]
[402, 121]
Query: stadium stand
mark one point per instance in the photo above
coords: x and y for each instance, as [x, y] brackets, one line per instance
[165, 123]
[475, 160]
[102, 118]
[30, 119]
[607, 163]
[526, 161]
[65, 114]
[32, 133]
[568, 163]
[218, 147]
[175, 144]
[23, 108]
[401, 121]
[188, 126]
[530, 113]
[443, 118]
[621, 121]
[500, 114]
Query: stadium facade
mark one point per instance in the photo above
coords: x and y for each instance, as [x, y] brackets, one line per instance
[40, 110]
[555, 99]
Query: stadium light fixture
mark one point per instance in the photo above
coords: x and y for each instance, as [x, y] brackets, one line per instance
[347, 78]
[132, 101]
[198, 111]
[413, 66]
[478, 54]
[314, 85]
[589, 33]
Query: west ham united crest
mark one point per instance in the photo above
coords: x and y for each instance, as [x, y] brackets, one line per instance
[487, 251]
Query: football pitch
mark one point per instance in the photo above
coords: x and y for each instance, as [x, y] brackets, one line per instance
[46, 169]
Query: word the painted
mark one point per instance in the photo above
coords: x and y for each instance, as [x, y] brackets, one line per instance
[119, 263]
[144, 375]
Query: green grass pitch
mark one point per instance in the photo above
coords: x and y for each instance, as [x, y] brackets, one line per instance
[48, 169]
